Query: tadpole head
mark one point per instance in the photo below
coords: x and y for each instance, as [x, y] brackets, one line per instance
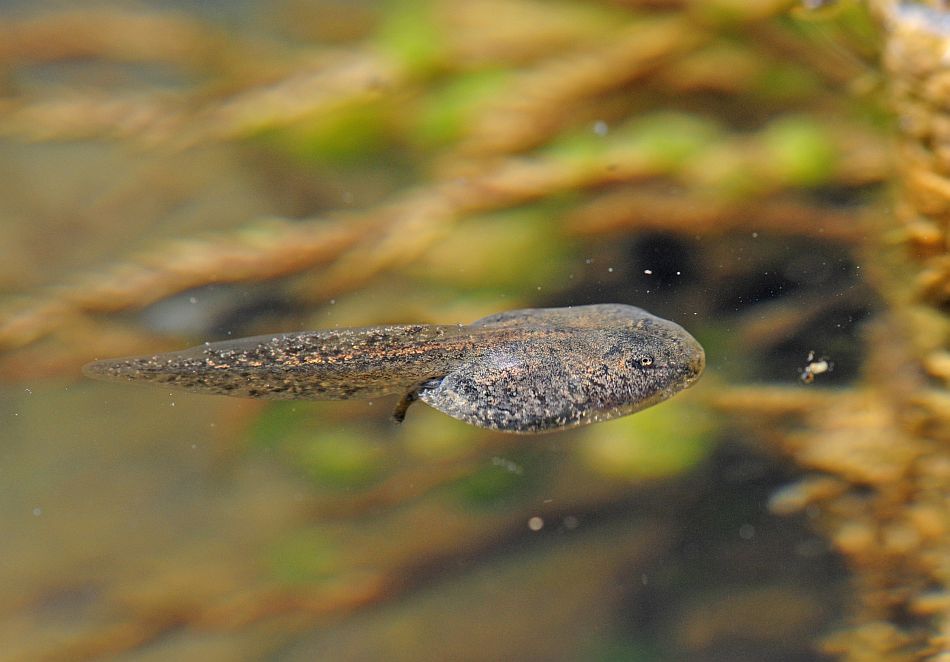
[662, 360]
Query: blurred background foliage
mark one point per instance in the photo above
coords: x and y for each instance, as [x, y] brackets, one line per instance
[182, 172]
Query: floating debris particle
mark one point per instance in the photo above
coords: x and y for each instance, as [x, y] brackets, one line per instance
[814, 367]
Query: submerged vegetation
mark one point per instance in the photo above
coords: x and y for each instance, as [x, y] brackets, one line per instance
[770, 174]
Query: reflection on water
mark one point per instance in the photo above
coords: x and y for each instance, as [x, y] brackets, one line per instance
[171, 177]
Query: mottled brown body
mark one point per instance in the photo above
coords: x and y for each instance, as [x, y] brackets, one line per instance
[532, 370]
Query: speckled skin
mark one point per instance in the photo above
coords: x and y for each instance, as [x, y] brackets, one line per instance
[526, 371]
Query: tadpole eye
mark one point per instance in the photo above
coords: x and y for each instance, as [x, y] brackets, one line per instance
[646, 361]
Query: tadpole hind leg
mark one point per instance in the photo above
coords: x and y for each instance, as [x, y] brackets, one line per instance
[399, 413]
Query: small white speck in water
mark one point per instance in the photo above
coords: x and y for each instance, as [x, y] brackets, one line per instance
[535, 523]
[610, 269]
[648, 272]
[37, 512]
[192, 299]
[747, 532]
[507, 465]
[643, 579]
[28, 391]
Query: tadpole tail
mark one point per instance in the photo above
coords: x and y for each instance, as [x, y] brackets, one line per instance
[315, 365]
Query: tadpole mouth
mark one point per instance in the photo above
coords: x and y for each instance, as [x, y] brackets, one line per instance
[695, 361]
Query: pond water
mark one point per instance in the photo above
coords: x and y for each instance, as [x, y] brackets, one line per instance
[178, 175]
